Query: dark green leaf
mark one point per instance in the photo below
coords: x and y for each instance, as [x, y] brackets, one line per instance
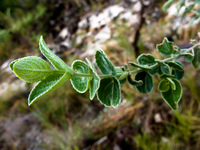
[147, 80]
[94, 82]
[166, 48]
[80, 84]
[165, 68]
[31, 69]
[46, 86]
[178, 73]
[55, 60]
[171, 96]
[104, 63]
[176, 65]
[146, 59]
[154, 70]
[109, 92]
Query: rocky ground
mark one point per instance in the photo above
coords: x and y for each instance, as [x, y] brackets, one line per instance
[124, 29]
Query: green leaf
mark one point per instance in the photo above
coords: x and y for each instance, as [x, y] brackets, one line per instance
[146, 59]
[122, 78]
[94, 82]
[55, 60]
[178, 73]
[187, 9]
[167, 5]
[163, 76]
[104, 63]
[12, 64]
[172, 84]
[146, 67]
[164, 85]
[80, 84]
[147, 80]
[31, 69]
[172, 97]
[180, 5]
[176, 65]
[164, 68]
[196, 60]
[46, 86]
[109, 92]
[189, 56]
[154, 70]
[166, 48]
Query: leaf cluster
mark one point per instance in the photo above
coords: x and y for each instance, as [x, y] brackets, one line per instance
[107, 85]
[187, 8]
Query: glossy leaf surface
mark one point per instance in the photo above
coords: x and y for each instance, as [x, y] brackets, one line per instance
[109, 92]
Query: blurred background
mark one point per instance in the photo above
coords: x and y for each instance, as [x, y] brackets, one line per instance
[75, 29]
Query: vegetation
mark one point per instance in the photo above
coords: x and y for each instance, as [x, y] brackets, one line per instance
[107, 86]
[65, 119]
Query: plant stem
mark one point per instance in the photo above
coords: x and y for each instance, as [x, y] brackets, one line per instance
[139, 70]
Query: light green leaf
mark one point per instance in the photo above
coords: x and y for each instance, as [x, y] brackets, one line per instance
[94, 82]
[55, 60]
[80, 84]
[104, 63]
[109, 92]
[147, 80]
[166, 48]
[46, 86]
[171, 96]
[31, 69]
[172, 84]
[146, 59]
[164, 85]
